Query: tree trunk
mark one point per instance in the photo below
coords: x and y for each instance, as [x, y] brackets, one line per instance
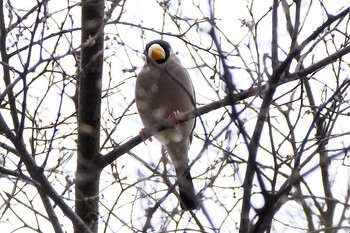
[89, 111]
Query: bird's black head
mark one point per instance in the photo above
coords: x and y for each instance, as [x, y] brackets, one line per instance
[158, 50]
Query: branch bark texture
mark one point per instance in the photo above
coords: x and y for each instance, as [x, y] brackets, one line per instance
[89, 113]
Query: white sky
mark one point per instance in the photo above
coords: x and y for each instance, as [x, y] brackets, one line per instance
[120, 85]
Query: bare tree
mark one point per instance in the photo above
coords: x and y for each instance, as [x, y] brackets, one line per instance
[270, 152]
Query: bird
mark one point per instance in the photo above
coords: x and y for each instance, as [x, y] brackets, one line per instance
[164, 90]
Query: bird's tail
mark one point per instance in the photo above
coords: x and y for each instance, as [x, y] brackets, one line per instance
[188, 198]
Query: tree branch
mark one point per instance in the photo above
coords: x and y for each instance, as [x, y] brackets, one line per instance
[273, 82]
[40, 179]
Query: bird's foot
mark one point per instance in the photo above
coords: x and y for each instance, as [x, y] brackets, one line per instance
[142, 135]
[175, 115]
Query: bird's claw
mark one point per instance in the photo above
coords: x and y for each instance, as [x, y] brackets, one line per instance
[142, 135]
[175, 115]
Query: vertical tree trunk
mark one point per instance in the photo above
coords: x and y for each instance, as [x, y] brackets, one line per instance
[89, 111]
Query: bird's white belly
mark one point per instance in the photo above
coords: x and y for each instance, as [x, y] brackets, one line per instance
[170, 135]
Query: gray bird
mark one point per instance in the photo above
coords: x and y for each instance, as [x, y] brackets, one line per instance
[164, 89]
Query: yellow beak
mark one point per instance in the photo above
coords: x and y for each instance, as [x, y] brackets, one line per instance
[156, 52]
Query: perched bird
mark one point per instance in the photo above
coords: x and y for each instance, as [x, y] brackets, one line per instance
[164, 89]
